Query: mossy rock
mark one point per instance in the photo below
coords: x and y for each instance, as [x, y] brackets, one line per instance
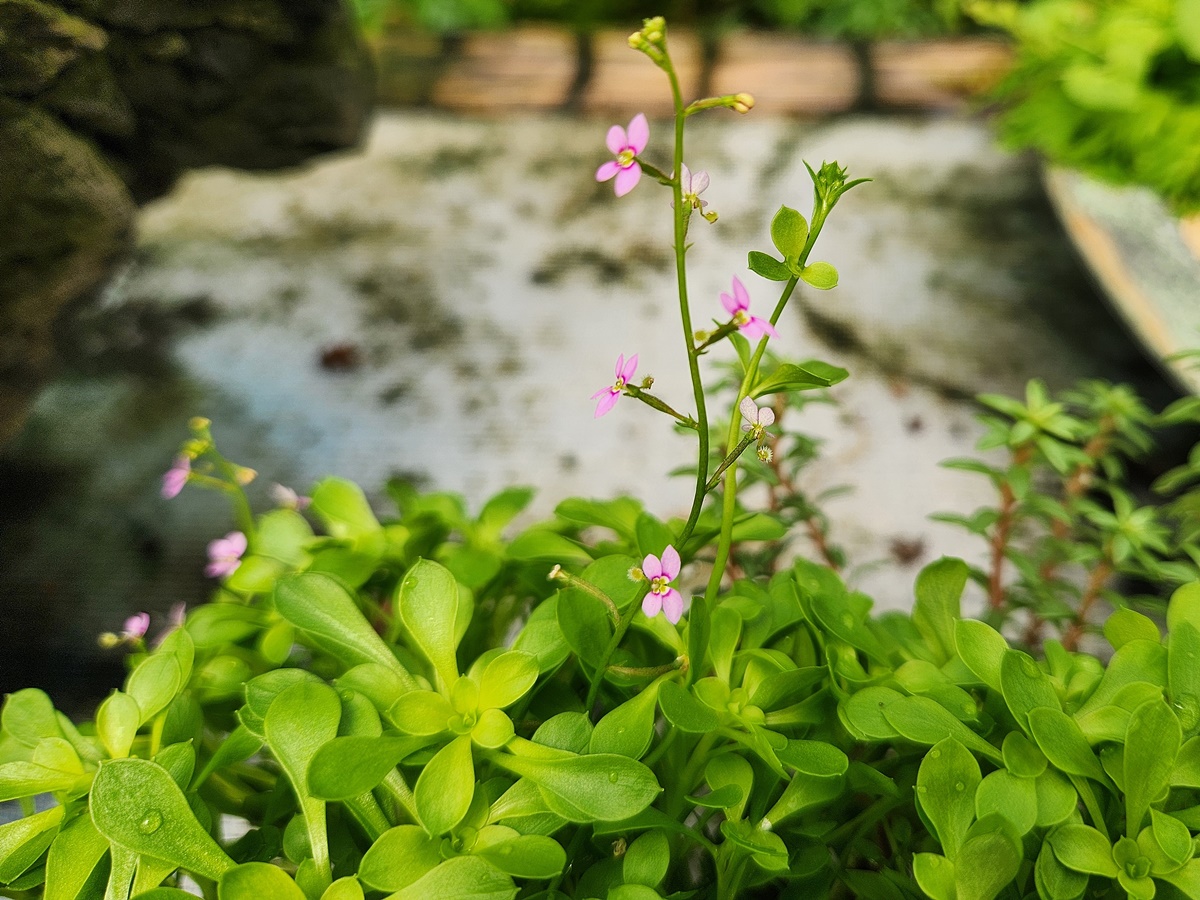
[67, 218]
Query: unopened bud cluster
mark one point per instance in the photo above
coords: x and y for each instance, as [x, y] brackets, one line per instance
[652, 40]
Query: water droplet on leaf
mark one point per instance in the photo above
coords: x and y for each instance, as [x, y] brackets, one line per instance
[151, 822]
[614, 777]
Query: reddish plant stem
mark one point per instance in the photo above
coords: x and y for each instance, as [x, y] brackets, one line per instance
[1091, 594]
[1075, 486]
[1002, 532]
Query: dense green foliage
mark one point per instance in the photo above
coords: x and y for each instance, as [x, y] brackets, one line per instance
[1111, 87]
[435, 704]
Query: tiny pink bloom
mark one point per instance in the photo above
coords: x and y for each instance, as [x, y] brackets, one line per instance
[136, 626]
[625, 146]
[662, 596]
[178, 615]
[225, 555]
[757, 420]
[693, 184]
[287, 498]
[176, 477]
[737, 306]
[608, 395]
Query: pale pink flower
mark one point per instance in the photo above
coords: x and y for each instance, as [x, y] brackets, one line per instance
[757, 420]
[225, 555]
[287, 498]
[176, 477]
[693, 184]
[625, 146]
[737, 305]
[609, 395]
[662, 596]
[136, 626]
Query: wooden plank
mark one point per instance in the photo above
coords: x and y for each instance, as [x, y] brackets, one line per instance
[625, 82]
[524, 68]
[787, 74]
[941, 74]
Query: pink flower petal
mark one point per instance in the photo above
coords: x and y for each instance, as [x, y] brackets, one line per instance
[616, 141]
[685, 178]
[739, 291]
[755, 328]
[627, 371]
[221, 568]
[639, 133]
[700, 182]
[766, 417]
[749, 410]
[136, 626]
[651, 567]
[729, 303]
[237, 543]
[670, 563]
[607, 402]
[651, 604]
[607, 171]
[627, 179]
[672, 604]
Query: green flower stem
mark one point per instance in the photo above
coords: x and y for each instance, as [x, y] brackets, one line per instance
[241, 505]
[682, 214]
[698, 636]
[691, 772]
[395, 787]
[730, 460]
[618, 634]
[680, 662]
[1090, 804]
[658, 173]
[720, 334]
[650, 400]
[558, 573]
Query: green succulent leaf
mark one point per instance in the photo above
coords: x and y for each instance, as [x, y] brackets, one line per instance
[768, 266]
[789, 233]
[257, 880]
[946, 784]
[137, 804]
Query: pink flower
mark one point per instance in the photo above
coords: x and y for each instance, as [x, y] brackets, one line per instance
[693, 184]
[178, 615]
[287, 498]
[626, 147]
[136, 626]
[662, 596]
[176, 477]
[225, 555]
[757, 420]
[609, 395]
[751, 326]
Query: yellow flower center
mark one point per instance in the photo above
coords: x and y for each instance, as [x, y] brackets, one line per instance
[659, 585]
[625, 158]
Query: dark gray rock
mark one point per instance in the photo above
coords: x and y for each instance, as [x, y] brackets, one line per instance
[104, 103]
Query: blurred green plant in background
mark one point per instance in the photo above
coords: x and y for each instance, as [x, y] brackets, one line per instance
[1110, 87]
[826, 18]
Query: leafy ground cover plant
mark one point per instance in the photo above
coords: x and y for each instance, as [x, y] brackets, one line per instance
[410, 708]
[1109, 87]
[1068, 532]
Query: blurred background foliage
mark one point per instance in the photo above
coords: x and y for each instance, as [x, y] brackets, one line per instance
[828, 18]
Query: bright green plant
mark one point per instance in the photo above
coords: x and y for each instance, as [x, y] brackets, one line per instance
[1110, 87]
[409, 708]
[1067, 534]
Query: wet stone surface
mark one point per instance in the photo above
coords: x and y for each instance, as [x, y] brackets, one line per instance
[442, 305]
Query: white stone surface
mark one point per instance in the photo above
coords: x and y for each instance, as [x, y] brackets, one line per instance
[487, 284]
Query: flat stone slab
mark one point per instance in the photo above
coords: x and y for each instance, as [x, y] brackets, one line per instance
[442, 305]
[1146, 260]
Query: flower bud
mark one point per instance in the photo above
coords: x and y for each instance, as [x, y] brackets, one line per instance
[647, 382]
[199, 423]
[108, 640]
[742, 103]
[636, 574]
[244, 475]
[710, 215]
[555, 574]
